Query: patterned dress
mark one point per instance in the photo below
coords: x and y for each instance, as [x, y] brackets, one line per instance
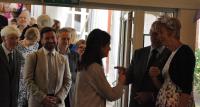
[22, 98]
[169, 94]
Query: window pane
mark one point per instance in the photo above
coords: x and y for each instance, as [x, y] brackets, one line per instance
[86, 24]
[77, 22]
[68, 20]
[78, 9]
[147, 40]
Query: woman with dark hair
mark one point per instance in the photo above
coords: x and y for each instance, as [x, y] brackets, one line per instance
[92, 88]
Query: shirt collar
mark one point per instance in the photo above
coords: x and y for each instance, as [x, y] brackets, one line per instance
[160, 49]
[46, 51]
[67, 52]
[6, 50]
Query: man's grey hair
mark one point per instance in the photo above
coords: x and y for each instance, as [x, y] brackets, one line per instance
[65, 29]
[72, 32]
[44, 21]
[8, 30]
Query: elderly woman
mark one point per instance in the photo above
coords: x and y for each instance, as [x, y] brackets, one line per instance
[178, 70]
[10, 63]
[23, 20]
[26, 46]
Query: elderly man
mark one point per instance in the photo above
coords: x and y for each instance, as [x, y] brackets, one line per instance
[64, 38]
[44, 21]
[47, 73]
[10, 63]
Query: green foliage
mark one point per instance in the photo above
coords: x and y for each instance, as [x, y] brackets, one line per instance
[197, 71]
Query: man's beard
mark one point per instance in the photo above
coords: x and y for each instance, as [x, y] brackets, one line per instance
[50, 46]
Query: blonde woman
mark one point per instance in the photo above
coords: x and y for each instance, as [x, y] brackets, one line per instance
[30, 43]
[178, 71]
[26, 46]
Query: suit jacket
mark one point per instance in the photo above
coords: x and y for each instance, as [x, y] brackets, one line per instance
[37, 80]
[9, 78]
[73, 62]
[137, 70]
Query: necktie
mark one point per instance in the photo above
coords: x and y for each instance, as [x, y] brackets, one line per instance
[10, 59]
[51, 74]
[11, 62]
[152, 59]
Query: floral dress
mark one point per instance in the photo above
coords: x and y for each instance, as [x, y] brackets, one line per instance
[22, 98]
[169, 93]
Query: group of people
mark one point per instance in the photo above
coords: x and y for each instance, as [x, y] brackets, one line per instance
[161, 75]
[167, 80]
[54, 75]
[38, 63]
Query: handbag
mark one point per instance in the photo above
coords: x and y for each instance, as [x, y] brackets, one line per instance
[168, 95]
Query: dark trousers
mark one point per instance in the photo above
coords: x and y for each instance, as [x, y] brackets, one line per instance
[67, 102]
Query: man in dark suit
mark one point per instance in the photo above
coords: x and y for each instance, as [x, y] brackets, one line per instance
[10, 64]
[143, 91]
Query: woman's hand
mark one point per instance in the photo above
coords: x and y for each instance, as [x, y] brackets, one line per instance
[122, 76]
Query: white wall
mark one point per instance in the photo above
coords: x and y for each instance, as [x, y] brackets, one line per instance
[188, 27]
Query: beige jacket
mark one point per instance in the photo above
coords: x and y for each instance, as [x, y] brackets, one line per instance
[36, 81]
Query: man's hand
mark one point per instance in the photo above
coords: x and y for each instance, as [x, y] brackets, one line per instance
[50, 101]
[154, 72]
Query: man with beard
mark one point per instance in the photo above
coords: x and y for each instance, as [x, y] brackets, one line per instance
[47, 74]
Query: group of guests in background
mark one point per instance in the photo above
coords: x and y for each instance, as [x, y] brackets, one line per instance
[36, 39]
[46, 68]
